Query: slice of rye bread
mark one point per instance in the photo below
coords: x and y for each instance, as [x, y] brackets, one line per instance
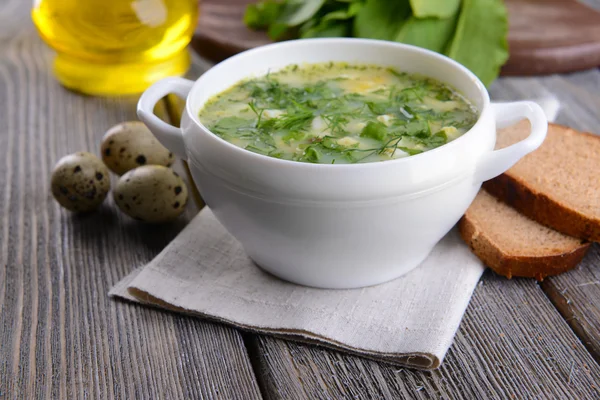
[514, 245]
[557, 185]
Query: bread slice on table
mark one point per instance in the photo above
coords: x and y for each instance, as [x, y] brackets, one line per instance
[514, 245]
[557, 185]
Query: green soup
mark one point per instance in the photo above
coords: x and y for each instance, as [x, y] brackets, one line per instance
[337, 113]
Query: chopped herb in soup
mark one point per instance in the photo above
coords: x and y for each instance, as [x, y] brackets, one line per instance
[338, 113]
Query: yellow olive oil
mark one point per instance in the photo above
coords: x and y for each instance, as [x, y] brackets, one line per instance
[112, 47]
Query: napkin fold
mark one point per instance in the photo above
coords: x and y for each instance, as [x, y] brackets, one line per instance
[410, 321]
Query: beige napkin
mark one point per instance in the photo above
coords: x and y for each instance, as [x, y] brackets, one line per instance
[410, 321]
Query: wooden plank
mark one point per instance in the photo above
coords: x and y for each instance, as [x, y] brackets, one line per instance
[511, 344]
[60, 334]
[576, 294]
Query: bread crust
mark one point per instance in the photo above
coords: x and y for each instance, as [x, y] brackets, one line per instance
[507, 265]
[540, 207]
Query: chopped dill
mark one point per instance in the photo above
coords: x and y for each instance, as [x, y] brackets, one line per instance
[338, 113]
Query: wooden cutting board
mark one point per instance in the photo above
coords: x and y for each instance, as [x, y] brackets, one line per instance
[545, 36]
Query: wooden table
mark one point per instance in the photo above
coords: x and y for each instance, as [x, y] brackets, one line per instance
[62, 337]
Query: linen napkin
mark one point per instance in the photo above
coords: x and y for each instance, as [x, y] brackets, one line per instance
[410, 321]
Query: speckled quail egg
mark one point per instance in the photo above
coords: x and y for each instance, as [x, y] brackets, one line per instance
[131, 144]
[80, 182]
[151, 193]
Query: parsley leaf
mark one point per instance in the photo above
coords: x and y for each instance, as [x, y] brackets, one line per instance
[374, 130]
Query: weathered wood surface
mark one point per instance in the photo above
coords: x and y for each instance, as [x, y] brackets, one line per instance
[577, 296]
[60, 335]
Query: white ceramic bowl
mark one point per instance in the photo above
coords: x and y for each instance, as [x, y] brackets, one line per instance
[339, 226]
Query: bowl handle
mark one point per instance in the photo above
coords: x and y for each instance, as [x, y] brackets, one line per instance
[169, 135]
[496, 162]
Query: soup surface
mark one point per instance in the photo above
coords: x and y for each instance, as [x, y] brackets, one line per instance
[338, 113]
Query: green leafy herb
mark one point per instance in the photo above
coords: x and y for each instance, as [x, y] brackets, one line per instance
[344, 13]
[411, 152]
[260, 150]
[327, 29]
[296, 121]
[378, 108]
[323, 113]
[312, 155]
[479, 42]
[473, 32]
[262, 14]
[258, 113]
[374, 130]
[418, 128]
[296, 12]
[381, 19]
[232, 124]
[434, 8]
[429, 33]
[293, 135]
[437, 140]
[277, 30]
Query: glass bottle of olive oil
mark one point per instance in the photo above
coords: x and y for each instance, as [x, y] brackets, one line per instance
[112, 47]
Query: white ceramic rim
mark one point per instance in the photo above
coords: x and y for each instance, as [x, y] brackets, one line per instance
[298, 164]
